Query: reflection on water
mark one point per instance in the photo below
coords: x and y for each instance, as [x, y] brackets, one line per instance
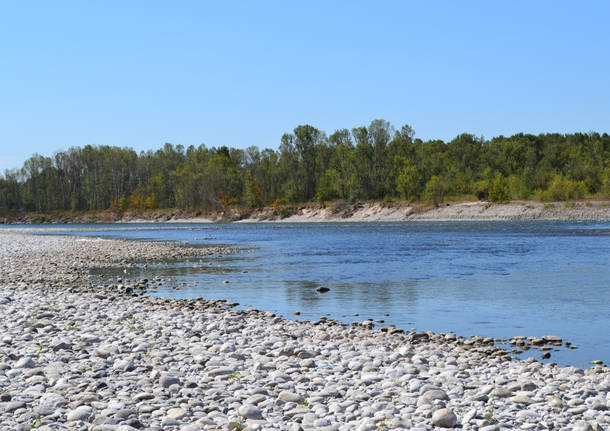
[495, 279]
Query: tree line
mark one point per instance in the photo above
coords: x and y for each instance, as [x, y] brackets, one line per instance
[375, 162]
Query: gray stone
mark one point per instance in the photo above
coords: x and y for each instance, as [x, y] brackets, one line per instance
[176, 413]
[250, 412]
[57, 345]
[470, 414]
[582, 426]
[220, 371]
[521, 399]
[501, 392]
[435, 394]
[25, 362]
[444, 418]
[13, 405]
[167, 380]
[82, 413]
[50, 402]
[290, 397]
[123, 365]
[142, 396]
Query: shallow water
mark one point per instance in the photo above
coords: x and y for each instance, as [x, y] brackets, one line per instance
[496, 279]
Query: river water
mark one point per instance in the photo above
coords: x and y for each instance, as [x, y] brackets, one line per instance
[494, 279]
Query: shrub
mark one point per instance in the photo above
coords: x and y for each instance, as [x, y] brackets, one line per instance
[481, 189]
[517, 188]
[563, 189]
[435, 190]
[151, 202]
[498, 192]
[542, 195]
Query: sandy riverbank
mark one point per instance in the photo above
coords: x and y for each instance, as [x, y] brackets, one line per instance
[77, 353]
[464, 211]
[344, 212]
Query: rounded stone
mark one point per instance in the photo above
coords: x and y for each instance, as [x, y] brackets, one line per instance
[50, 402]
[167, 380]
[25, 362]
[82, 413]
[250, 412]
[290, 397]
[176, 413]
[444, 418]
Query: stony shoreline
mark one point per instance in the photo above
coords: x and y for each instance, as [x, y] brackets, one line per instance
[78, 354]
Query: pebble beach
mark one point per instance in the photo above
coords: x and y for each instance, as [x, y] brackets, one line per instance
[80, 353]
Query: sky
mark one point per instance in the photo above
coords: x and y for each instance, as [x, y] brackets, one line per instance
[239, 73]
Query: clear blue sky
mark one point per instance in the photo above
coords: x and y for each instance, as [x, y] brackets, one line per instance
[139, 74]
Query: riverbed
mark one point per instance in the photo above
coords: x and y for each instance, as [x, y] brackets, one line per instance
[497, 279]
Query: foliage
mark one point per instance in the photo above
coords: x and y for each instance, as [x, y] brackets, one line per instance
[562, 189]
[374, 162]
[499, 192]
[408, 180]
[435, 191]
[253, 193]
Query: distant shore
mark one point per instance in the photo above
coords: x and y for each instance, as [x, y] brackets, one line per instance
[341, 212]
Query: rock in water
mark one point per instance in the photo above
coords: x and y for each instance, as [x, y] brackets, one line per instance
[322, 289]
[444, 418]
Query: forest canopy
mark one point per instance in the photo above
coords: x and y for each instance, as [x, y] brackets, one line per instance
[369, 163]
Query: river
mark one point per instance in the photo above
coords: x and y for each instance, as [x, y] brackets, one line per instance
[493, 279]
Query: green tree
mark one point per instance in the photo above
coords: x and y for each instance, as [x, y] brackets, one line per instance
[408, 181]
[306, 139]
[327, 187]
[253, 193]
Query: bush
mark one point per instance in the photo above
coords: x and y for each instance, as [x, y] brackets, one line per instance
[151, 202]
[542, 195]
[481, 189]
[563, 189]
[498, 192]
[435, 190]
[517, 188]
